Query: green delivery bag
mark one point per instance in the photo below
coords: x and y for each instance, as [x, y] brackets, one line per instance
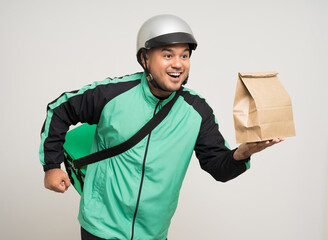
[78, 142]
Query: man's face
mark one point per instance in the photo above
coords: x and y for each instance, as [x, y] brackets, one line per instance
[169, 65]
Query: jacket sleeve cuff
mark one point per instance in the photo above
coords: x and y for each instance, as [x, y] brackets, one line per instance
[50, 166]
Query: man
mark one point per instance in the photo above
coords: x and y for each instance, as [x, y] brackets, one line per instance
[134, 194]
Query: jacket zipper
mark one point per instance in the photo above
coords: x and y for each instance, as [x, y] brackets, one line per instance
[142, 176]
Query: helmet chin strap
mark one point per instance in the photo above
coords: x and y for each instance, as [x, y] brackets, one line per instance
[154, 83]
[186, 80]
[151, 78]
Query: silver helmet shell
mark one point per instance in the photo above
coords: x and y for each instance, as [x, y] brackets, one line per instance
[163, 30]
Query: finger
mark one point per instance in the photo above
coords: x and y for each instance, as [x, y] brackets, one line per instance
[271, 142]
[59, 188]
[277, 140]
[262, 144]
[62, 187]
[67, 184]
[67, 181]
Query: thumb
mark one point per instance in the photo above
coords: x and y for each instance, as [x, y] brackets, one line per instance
[61, 187]
[66, 181]
[64, 184]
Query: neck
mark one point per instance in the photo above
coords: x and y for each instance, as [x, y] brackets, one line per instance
[161, 94]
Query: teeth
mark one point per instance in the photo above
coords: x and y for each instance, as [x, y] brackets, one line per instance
[174, 74]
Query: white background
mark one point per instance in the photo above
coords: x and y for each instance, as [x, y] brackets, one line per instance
[48, 47]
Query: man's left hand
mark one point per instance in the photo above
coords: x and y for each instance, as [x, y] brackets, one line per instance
[245, 150]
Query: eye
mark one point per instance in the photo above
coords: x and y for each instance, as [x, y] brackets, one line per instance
[186, 56]
[167, 56]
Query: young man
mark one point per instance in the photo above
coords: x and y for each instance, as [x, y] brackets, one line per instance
[134, 195]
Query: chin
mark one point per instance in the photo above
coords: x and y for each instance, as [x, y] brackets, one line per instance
[174, 87]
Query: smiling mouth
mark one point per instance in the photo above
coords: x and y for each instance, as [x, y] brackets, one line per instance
[174, 74]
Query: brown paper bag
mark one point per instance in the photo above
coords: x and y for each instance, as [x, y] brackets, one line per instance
[262, 108]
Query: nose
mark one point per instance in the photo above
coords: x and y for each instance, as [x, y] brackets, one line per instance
[177, 62]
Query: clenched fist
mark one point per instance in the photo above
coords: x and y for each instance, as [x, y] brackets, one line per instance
[56, 180]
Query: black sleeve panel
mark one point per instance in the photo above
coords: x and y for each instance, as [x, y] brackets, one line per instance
[84, 108]
[214, 157]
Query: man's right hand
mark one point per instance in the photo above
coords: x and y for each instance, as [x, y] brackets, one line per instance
[56, 180]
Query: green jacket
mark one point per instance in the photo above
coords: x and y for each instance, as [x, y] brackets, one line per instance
[135, 194]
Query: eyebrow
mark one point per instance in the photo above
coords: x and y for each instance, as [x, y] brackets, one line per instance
[171, 50]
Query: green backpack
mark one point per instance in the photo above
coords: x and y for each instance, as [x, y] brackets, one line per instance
[78, 142]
